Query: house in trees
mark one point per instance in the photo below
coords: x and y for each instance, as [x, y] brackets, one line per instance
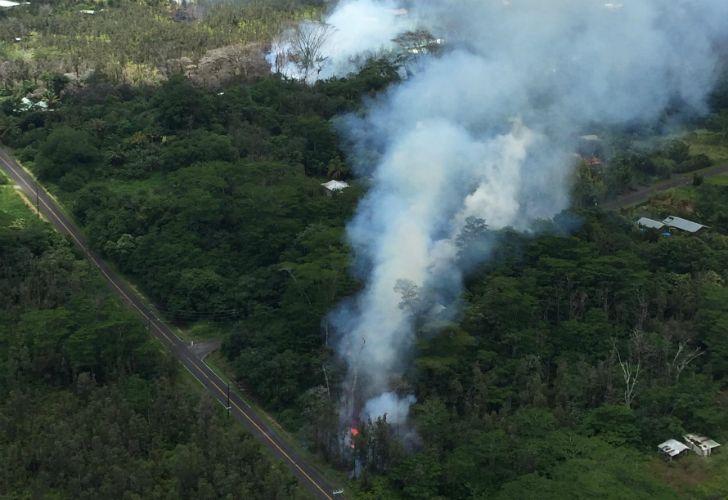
[672, 448]
[670, 223]
[682, 224]
[647, 223]
[701, 445]
[334, 186]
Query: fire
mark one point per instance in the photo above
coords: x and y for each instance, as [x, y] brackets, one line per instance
[354, 434]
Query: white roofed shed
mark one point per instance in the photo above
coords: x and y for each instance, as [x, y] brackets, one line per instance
[335, 186]
[683, 224]
[648, 223]
[701, 445]
[672, 448]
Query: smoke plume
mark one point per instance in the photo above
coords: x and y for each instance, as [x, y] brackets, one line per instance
[482, 135]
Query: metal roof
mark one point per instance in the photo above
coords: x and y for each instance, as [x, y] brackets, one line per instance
[650, 223]
[702, 441]
[335, 185]
[683, 224]
[672, 447]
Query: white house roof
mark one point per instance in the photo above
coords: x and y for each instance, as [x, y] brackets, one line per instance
[335, 185]
[650, 223]
[683, 224]
[8, 3]
[672, 447]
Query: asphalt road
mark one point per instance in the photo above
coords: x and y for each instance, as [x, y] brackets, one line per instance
[308, 477]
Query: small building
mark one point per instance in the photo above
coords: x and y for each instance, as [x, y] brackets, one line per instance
[672, 448]
[683, 224]
[335, 186]
[647, 223]
[701, 445]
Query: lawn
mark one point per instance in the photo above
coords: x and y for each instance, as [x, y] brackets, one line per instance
[16, 213]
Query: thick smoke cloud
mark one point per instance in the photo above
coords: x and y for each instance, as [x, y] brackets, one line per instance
[359, 30]
[484, 133]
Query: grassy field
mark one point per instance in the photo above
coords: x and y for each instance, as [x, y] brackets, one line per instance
[16, 213]
[692, 476]
[718, 180]
[708, 143]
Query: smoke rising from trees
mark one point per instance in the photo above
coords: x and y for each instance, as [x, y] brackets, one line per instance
[481, 138]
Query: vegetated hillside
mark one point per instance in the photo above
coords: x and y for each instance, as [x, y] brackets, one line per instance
[90, 406]
[212, 203]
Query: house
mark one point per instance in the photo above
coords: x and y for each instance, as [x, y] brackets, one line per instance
[335, 186]
[682, 224]
[672, 448]
[647, 223]
[701, 445]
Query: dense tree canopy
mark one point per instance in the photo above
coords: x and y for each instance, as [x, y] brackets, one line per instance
[90, 405]
[577, 350]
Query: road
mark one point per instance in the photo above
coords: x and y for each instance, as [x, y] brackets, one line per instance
[308, 477]
[643, 194]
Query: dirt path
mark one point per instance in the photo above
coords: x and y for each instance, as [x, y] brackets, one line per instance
[643, 194]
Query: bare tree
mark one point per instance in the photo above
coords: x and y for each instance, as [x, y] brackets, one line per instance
[631, 365]
[682, 359]
[307, 43]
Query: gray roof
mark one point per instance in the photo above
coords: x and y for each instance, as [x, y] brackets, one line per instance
[701, 441]
[683, 224]
[650, 223]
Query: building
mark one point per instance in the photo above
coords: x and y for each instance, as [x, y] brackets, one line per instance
[672, 448]
[682, 224]
[335, 186]
[701, 445]
[647, 223]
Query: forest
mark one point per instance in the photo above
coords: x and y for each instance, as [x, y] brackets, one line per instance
[91, 405]
[579, 348]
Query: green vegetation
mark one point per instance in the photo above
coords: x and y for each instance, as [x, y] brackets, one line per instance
[139, 41]
[577, 351]
[212, 204]
[90, 406]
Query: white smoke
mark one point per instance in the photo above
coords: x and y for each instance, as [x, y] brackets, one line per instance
[358, 30]
[388, 405]
[485, 132]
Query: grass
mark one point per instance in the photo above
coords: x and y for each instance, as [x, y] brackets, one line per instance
[708, 143]
[718, 180]
[692, 476]
[11, 203]
[679, 200]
